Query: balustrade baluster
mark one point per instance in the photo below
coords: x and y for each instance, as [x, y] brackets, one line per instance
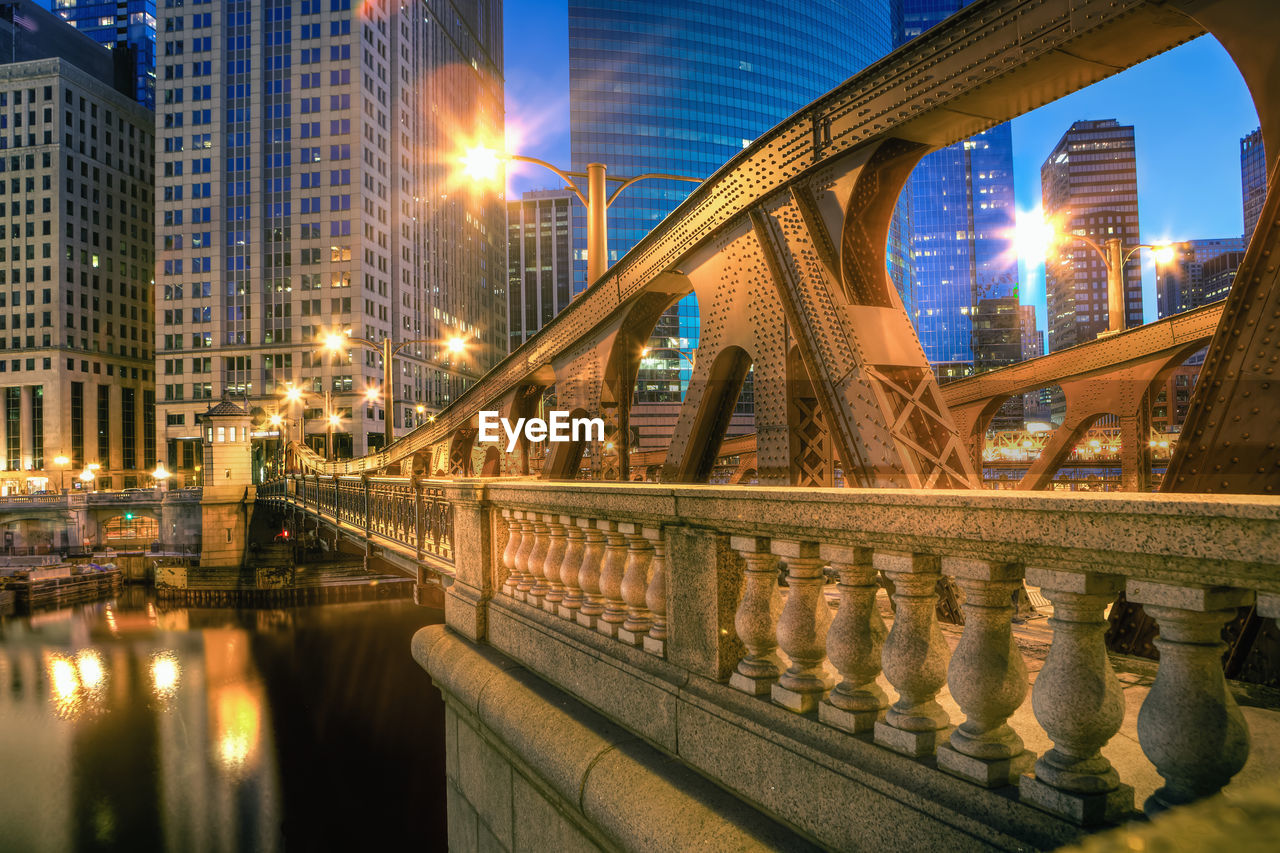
[987, 677]
[802, 629]
[611, 571]
[1189, 725]
[589, 573]
[527, 541]
[537, 560]
[551, 566]
[514, 536]
[915, 656]
[635, 583]
[757, 617]
[854, 644]
[570, 566]
[655, 596]
[1078, 702]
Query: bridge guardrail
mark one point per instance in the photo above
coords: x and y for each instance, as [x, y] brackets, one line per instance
[413, 517]
[690, 574]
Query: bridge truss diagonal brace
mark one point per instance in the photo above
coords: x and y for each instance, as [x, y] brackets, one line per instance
[864, 360]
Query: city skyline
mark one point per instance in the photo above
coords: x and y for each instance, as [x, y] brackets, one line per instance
[1205, 201]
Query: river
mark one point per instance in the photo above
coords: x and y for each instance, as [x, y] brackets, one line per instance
[133, 725]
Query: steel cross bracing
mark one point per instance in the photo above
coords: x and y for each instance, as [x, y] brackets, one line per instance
[785, 248]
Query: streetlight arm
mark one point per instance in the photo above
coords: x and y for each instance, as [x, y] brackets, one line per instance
[404, 344]
[564, 176]
[626, 182]
[1129, 254]
[1089, 241]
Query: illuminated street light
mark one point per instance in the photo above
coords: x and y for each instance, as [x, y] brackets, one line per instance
[86, 477]
[337, 343]
[481, 164]
[62, 462]
[1036, 236]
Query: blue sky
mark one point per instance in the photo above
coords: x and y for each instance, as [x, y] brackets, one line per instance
[1189, 108]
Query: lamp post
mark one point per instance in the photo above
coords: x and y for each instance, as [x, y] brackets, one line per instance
[62, 462]
[482, 164]
[1114, 257]
[333, 422]
[86, 477]
[336, 342]
[161, 476]
[294, 394]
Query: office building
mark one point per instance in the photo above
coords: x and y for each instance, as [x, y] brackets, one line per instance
[76, 183]
[125, 27]
[1253, 180]
[1089, 185]
[962, 224]
[307, 152]
[679, 88]
[1181, 283]
[539, 260]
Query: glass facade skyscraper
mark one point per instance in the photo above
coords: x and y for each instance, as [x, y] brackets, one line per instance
[962, 221]
[680, 87]
[120, 25]
[1253, 180]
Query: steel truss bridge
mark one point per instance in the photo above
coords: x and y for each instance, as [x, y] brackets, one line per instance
[785, 249]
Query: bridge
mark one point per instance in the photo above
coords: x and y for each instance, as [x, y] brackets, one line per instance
[612, 645]
[138, 517]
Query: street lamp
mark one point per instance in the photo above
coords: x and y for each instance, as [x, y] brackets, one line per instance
[86, 477]
[482, 164]
[334, 422]
[277, 421]
[335, 343]
[294, 394]
[1113, 254]
[62, 462]
[161, 475]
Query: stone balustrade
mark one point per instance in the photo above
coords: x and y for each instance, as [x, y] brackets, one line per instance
[691, 577]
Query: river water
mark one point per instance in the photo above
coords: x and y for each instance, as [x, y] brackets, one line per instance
[133, 725]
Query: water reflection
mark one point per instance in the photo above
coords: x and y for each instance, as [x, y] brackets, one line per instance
[127, 726]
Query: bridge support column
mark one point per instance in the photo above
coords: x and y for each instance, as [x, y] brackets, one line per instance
[466, 602]
[1135, 449]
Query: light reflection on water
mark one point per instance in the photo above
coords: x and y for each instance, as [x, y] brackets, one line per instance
[125, 725]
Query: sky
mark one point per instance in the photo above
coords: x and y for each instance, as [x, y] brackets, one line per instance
[1189, 108]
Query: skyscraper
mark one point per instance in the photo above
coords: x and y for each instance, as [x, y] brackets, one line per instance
[678, 87]
[1253, 180]
[1181, 283]
[1089, 185]
[539, 260]
[962, 222]
[124, 26]
[306, 153]
[76, 368]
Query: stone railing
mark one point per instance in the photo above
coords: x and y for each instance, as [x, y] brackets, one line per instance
[562, 576]
[413, 518]
[625, 562]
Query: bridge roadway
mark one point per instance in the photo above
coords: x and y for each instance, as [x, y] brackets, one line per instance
[784, 247]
